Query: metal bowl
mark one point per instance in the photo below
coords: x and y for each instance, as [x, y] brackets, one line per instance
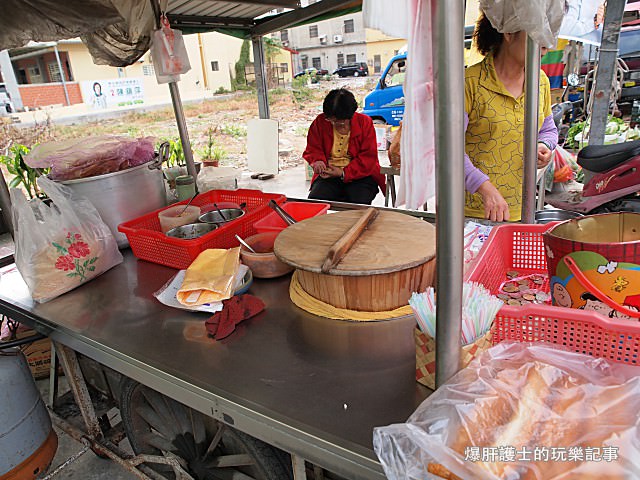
[214, 217]
[191, 230]
[555, 215]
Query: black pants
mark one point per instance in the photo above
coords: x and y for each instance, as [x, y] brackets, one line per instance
[363, 190]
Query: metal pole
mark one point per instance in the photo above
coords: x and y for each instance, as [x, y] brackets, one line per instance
[5, 204]
[449, 116]
[605, 74]
[64, 83]
[177, 107]
[261, 76]
[530, 153]
[182, 128]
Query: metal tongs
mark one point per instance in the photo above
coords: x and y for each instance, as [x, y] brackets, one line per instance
[288, 219]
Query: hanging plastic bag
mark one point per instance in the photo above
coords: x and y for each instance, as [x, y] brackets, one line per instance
[521, 411]
[168, 52]
[562, 170]
[541, 19]
[60, 246]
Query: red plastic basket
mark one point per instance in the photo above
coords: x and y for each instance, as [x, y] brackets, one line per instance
[298, 210]
[149, 243]
[520, 247]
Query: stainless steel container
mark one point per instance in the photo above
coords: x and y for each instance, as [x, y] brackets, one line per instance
[555, 215]
[124, 195]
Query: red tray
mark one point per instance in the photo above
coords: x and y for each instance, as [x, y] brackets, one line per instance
[298, 210]
[149, 243]
[520, 247]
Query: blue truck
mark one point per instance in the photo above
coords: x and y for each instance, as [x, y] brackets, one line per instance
[386, 103]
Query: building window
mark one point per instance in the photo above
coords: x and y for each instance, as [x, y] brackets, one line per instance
[35, 76]
[54, 72]
[284, 67]
[284, 36]
[305, 63]
[351, 58]
[316, 62]
[313, 31]
[340, 59]
[214, 66]
[148, 70]
[348, 26]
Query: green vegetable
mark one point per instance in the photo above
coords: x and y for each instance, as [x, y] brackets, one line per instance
[578, 127]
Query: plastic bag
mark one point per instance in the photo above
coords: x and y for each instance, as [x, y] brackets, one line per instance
[217, 178]
[62, 246]
[562, 171]
[522, 411]
[541, 19]
[169, 53]
[87, 157]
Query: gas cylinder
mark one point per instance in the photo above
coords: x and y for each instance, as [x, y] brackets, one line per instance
[28, 442]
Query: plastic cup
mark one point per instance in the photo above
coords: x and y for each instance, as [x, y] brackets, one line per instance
[177, 216]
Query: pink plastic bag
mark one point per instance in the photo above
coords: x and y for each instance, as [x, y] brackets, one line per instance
[87, 157]
[522, 411]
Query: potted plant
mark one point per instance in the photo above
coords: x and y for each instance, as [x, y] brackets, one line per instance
[211, 154]
[23, 174]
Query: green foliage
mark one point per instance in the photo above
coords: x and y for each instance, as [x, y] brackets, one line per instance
[236, 131]
[221, 90]
[301, 131]
[276, 92]
[240, 78]
[271, 48]
[300, 82]
[176, 153]
[571, 134]
[302, 95]
[23, 174]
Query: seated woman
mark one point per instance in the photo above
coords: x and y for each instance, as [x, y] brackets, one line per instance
[341, 149]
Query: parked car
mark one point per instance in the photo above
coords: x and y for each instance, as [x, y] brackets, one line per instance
[359, 69]
[312, 71]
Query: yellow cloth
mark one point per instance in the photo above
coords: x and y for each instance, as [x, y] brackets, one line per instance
[495, 134]
[312, 305]
[339, 151]
[210, 277]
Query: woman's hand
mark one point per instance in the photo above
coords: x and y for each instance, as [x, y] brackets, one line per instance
[331, 171]
[496, 208]
[319, 167]
[544, 155]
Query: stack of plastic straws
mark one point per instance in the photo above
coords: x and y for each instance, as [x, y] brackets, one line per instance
[479, 308]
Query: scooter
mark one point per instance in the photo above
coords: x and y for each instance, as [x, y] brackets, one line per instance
[613, 185]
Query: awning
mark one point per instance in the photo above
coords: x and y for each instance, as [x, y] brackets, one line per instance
[117, 32]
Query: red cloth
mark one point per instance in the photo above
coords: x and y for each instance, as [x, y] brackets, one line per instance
[235, 310]
[362, 148]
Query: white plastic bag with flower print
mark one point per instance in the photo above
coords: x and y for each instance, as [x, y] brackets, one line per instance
[59, 246]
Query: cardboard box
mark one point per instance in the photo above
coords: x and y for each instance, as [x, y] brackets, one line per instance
[38, 354]
[39, 357]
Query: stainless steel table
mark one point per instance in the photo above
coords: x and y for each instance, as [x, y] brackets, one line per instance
[312, 386]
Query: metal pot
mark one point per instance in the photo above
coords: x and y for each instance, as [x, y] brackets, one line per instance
[555, 215]
[124, 195]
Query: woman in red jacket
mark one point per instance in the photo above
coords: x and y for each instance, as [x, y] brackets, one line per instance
[341, 149]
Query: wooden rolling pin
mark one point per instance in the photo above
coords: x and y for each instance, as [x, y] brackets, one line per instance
[344, 243]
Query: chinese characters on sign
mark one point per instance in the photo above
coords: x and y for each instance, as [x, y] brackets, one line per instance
[114, 92]
[541, 454]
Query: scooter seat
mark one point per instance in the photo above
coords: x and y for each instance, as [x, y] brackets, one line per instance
[600, 158]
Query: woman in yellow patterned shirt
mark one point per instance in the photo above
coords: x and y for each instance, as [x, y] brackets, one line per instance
[494, 105]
